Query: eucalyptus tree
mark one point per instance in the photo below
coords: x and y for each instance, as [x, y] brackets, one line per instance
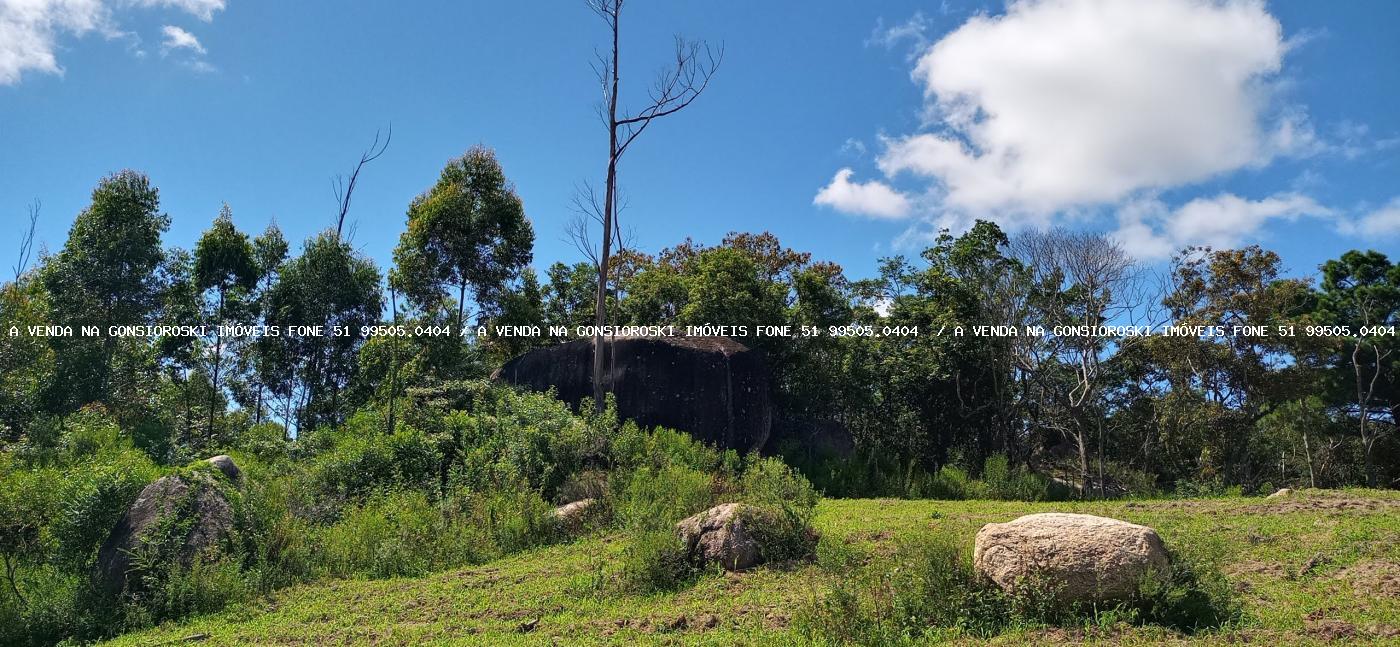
[319, 302]
[674, 89]
[226, 271]
[467, 236]
[106, 274]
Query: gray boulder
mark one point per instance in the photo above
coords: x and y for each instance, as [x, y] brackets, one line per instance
[573, 516]
[721, 536]
[227, 466]
[190, 513]
[1082, 558]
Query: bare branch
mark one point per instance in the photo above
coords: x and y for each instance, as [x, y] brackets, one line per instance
[26, 242]
[675, 88]
[344, 188]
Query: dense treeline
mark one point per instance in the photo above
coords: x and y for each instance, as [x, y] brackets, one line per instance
[388, 455]
[1313, 401]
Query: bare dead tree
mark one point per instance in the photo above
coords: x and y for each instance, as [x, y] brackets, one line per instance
[675, 88]
[26, 241]
[343, 187]
[1085, 282]
[588, 210]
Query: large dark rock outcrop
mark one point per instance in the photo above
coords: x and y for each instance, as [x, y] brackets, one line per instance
[187, 514]
[713, 388]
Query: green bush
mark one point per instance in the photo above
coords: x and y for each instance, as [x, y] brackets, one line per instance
[656, 498]
[353, 466]
[1004, 482]
[513, 518]
[405, 533]
[95, 494]
[785, 532]
[655, 560]
[396, 533]
[1192, 595]
[954, 483]
[267, 441]
[926, 591]
[170, 590]
[49, 611]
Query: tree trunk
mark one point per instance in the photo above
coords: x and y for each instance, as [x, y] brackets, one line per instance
[601, 302]
[461, 308]
[214, 386]
[393, 360]
[1307, 452]
[1084, 486]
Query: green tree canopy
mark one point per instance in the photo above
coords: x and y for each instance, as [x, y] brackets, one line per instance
[105, 275]
[468, 233]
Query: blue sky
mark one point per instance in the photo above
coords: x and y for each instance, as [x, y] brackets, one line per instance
[851, 130]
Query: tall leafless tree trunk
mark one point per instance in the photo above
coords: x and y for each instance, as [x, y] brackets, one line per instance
[674, 89]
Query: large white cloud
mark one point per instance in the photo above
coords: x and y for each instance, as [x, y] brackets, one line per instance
[1061, 103]
[29, 29]
[1058, 108]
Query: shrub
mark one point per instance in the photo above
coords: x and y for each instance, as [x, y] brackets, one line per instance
[513, 518]
[353, 466]
[656, 498]
[267, 441]
[952, 482]
[634, 448]
[655, 560]
[927, 591]
[49, 611]
[786, 533]
[169, 589]
[1192, 595]
[96, 493]
[1012, 484]
[393, 534]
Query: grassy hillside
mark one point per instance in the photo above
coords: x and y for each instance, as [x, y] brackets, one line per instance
[1322, 566]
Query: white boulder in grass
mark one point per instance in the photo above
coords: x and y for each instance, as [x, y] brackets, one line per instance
[1080, 557]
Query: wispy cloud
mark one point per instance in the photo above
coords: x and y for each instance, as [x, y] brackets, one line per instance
[30, 29]
[176, 38]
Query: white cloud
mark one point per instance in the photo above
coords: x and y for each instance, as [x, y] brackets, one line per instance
[201, 9]
[1380, 223]
[912, 30]
[1065, 103]
[176, 38]
[1059, 111]
[30, 29]
[875, 199]
[1149, 230]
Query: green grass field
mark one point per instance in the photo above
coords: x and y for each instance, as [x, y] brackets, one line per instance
[1321, 566]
